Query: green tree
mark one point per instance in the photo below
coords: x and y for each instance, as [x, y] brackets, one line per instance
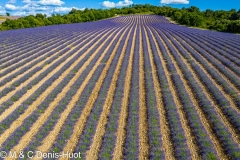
[39, 16]
[196, 20]
[177, 16]
[234, 26]
[47, 22]
[25, 23]
[8, 14]
[185, 18]
[235, 16]
[73, 11]
[209, 13]
[193, 9]
[91, 16]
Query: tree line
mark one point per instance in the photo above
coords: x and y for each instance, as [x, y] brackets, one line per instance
[220, 20]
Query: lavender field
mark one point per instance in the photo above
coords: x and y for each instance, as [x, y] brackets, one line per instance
[130, 87]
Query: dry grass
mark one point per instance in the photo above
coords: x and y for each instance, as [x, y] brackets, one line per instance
[3, 18]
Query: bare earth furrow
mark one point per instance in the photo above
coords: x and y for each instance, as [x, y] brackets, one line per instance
[18, 50]
[27, 60]
[225, 44]
[164, 128]
[196, 103]
[235, 136]
[28, 40]
[97, 140]
[192, 147]
[215, 49]
[120, 137]
[31, 108]
[143, 125]
[30, 51]
[215, 69]
[33, 89]
[56, 49]
[214, 57]
[72, 142]
[49, 140]
[41, 63]
[126, 87]
[220, 88]
[27, 137]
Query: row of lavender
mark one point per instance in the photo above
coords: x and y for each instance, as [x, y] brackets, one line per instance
[174, 45]
[26, 125]
[185, 41]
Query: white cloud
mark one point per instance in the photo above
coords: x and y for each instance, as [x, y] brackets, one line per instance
[124, 3]
[11, 7]
[22, 13]
[42, 8]
[27, 7]
[62, 9]
[11, 1]
[65, 9]
[109, 4]
[50, 2]
[32, 7]
[174, 1]
[26, 1]
[31, 3]
[2, 11]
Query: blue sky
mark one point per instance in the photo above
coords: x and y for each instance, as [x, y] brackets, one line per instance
[26, 7]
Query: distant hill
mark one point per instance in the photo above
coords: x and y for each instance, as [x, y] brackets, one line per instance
[3, 18]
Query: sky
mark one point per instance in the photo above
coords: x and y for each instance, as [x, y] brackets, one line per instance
[48, 7]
